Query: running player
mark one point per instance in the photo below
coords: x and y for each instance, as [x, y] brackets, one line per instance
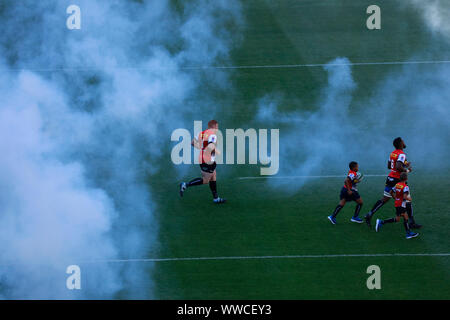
[401, 194]
[397, 164]
[206, 142]
[349, 192]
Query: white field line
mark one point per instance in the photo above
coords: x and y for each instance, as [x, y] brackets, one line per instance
[306, 177]
[311, 256]
[310, 65]
[304, 256]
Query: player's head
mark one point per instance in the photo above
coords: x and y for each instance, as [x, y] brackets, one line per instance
[353, 166]
[213, 124]
[399, 143]
[403, 176]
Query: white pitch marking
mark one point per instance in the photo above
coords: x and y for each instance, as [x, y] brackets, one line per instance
[310, 65]
[306, 177]
[276, 257]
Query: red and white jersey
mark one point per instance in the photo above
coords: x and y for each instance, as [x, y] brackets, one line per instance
[396, 155]
[400, 190]
[205, 138]
[352, 176]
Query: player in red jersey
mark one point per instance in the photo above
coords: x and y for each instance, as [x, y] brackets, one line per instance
[402, 195]
[349, 192]
[206, 143]
[397, 164]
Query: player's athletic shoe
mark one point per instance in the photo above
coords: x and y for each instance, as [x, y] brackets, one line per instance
[182, 188]
[367, 219]
[411, 234]
[415, 226]
[332, 219]
[378, 225]
[219, 200]
[356, 219]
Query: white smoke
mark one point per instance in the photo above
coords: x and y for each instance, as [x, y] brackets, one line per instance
[436, 15]
[84, 127]
[411, 103]
[315, 138]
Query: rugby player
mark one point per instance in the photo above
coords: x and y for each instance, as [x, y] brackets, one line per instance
[349, 192]
[206, 142]
[397, 164]
[402, 195]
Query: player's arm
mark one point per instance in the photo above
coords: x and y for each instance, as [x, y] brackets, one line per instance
[401, 167]
[216, 151]
[196, 144]
[406, 195]
[212, 140]
[210, 149]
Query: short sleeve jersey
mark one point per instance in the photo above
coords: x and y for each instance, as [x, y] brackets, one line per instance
[352, 176]
[400, 190]
[396, 155]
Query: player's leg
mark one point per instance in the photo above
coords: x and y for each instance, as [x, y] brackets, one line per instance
[359, 203]
[206, 176]
[381, 202]
[379, 223]
[409, 233]
[338, 208]
[213, 187]
[390, 183]
[411, 220]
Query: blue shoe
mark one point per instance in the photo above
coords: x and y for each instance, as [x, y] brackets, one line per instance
[356, 219]
[378, 225]
[332, 219]
[411, 234]
[219, 200]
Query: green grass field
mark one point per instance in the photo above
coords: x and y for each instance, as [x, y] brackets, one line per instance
[91, 96]
[262, 221]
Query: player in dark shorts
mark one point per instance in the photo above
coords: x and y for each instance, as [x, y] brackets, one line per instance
[349, 192]
[397, 164]
[402, 195]
[206, 142]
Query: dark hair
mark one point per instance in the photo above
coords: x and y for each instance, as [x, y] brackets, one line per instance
[397, 143]
[403, 176]
[212, 123]
[352, 165]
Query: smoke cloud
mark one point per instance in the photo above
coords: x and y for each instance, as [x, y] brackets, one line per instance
[85, 120]
[435, 13]
[411, 103]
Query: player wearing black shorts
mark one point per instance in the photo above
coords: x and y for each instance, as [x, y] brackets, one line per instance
[207, 144]
[349, 192]
[397, 164]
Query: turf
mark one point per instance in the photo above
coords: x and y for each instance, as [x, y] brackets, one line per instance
[259, 220]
